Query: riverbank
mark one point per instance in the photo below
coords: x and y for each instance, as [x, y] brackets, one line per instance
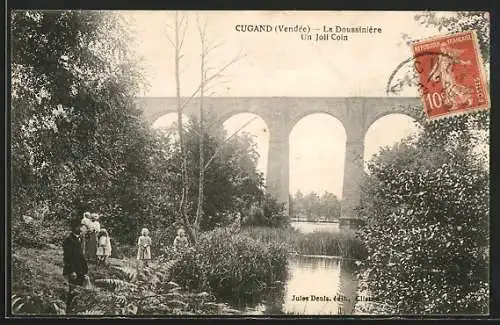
[248, 264]
[118, 288]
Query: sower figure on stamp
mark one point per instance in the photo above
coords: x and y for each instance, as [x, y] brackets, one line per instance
[442, 70]
[75, 265]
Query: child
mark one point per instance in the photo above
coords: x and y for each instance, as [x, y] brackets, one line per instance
[181, 242]
[144, 247]
[103, 246]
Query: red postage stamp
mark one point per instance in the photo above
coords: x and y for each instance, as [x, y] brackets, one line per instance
[451, 75]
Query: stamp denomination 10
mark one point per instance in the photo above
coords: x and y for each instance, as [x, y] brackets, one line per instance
[451, 75]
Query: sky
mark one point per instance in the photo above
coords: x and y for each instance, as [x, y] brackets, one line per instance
[279, 64]
[282, 64]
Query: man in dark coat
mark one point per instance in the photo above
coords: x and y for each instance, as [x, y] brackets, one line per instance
[75, 264]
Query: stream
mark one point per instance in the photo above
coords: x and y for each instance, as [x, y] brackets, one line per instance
[316, 285]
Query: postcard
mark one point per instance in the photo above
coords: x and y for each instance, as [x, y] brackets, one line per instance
[261, 163]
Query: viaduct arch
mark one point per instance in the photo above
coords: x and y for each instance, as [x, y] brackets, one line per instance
[282, 113]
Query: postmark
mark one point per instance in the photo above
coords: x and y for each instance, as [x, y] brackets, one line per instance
[451, 77]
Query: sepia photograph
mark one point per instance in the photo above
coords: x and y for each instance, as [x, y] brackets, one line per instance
[236, 163]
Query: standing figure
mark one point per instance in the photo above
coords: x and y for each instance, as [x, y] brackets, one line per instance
[91, 243]
[75, 266]
[88, 224]
[181, 242]
[144, 247]
[103, 246]
[95, 222]
[454, 93]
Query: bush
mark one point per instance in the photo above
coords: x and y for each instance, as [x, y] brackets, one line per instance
[233, 266]
[330, 244]
[163, 239]
[426, 232]
[270, 213]
[122, 251]
[38, 288]
[189, 271]
[38, 228]
[127, 291]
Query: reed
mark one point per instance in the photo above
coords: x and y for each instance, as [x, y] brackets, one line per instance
[342, 244]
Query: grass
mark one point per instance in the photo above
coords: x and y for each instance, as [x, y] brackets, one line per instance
[37, 274]
[38, 288]
[317, 243]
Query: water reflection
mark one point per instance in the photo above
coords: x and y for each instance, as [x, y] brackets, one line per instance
[312, 287]
[315, 286]
[348, 285]
[307, 227]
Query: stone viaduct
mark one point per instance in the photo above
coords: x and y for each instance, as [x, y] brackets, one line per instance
[282, 113]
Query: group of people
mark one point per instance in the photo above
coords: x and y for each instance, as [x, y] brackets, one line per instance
[96, 243]
[89, 242]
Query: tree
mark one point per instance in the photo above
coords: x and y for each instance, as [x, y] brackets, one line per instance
[267, 212]
[179, 28]
[426, 214]
[298, 204]
[311, 205]
[315, 206]
[425, 208]
[77, 140]
[329, 206]
[207, 46]
[232, 183]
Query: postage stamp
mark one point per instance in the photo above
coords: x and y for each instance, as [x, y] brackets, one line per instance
[451, 75]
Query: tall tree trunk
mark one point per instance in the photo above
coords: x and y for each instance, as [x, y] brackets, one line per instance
[184, 173]
[201, 180]
[205, 79]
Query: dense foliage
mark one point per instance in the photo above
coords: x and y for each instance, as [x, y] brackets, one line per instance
[77, 140]
[232, 266]
[267, 212]
[232, 183]
[79, 143]
[426, 210]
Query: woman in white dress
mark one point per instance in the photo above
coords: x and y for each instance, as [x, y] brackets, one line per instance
[91, 244]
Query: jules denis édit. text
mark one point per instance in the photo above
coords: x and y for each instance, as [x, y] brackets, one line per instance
[339, 298]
